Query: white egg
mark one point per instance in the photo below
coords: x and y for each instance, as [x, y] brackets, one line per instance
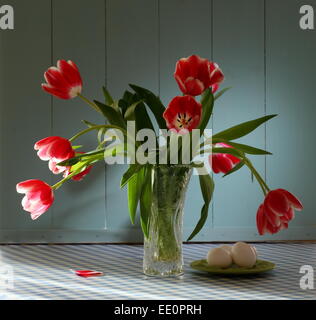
[227, 248]
[219, 257]
[255, 250]
[244, 255]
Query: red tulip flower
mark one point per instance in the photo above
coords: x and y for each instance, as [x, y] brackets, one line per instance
[223, 162]
[183, 113]
[38, 197]
[194, 75]
[63, 81]
[277, 211]
[79, 176]
[55, 150]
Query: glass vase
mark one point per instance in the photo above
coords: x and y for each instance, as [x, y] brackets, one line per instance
[163, 247]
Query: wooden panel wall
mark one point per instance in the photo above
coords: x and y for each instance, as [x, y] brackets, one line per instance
[267, 59]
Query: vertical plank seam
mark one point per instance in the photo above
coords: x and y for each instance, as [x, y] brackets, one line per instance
[212, 122]
[52, 98]
[106, 84]
[105, 44]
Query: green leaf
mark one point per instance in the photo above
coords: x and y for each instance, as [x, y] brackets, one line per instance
[132, 170]
[77, 147]
[231, 151]
[241, 129]
[112, 151]
[123, 105]
[248, 149]
[114, 117]
[74, 160]
[207, 188]
[207, 109]
[127, 100]
[146, 201]
[153, 102]
[108, 98]
[134, 188]
[143, 120]
[130, 111]
[236, 168]
[129, 97]
[220, 93]
[101, 134]
[89, 124]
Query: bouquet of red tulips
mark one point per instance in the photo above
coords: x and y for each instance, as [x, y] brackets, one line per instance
[127, 117]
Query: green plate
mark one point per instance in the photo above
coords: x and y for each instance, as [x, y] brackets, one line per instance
[260, 266]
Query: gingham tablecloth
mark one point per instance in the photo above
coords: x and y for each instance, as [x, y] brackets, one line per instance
[43, 272]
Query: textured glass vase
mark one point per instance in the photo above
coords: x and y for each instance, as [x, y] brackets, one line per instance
[163, 247]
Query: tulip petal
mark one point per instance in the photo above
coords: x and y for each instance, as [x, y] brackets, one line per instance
[296, 203]
[88, 273]
[289, 215]
[214, 163]
[55, 92]
[194, 87]
[277, 202]
[224, 163]
[59, 81]
[261, 223]
[217, 75]
[25, 186]
[273, 218]
[180, 83]
[70, 73]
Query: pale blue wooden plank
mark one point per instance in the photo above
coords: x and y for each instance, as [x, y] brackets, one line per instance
[185, 29]
[238, 47]
[132, 57]
[291, 93]
[25, 109]
[79, 35]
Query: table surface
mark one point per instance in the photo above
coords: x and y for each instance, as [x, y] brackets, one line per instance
[43, 272]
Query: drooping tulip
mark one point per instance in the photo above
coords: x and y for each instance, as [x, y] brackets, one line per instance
[63, 81]
[38, 197]
[277, 210]
[195, 74]
[54, 149]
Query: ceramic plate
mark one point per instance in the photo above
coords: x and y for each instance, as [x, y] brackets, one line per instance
[260, 266]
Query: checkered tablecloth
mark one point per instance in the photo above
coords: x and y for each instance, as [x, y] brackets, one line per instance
[43, 272]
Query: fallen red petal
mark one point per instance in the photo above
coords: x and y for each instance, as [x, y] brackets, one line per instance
[88, 273]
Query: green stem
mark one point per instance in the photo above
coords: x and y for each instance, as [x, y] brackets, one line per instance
[95, 128]
[260, 180]
[90, 103]
[61, 182]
